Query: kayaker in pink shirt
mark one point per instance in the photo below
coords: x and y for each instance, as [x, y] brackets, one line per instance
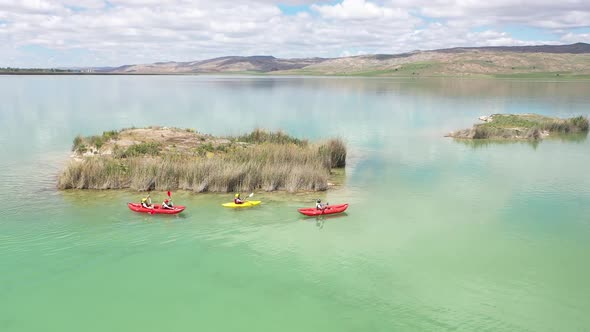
[237, 199]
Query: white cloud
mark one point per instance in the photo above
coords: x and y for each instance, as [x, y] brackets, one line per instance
[29, 6]
[132, 31]
[571, 37]
[359, 9]
[535, 13]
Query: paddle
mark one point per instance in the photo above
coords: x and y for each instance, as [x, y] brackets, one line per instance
[151, 211]
[325, 207]
[249, 196]
[170, 199]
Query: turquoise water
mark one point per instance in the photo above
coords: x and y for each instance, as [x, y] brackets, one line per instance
[440, 235]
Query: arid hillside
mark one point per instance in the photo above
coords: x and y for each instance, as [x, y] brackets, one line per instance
[570, 61]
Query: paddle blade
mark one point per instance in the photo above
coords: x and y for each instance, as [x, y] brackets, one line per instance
[251, 194]
[168, 193]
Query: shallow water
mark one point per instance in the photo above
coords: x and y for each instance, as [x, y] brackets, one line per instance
[440, 235]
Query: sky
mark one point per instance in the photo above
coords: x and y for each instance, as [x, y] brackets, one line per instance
[71, 33]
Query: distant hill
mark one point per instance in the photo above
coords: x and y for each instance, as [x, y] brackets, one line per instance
[262, 64]
[518, 61]
[539, 61]
[499, 61]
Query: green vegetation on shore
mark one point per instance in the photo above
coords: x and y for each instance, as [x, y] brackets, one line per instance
[170, 158]
[522, 126]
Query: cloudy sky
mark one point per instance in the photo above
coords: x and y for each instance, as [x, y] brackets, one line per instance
[46, 33]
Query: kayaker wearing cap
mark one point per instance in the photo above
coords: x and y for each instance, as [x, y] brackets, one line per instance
[167, 204]
[319, 205]
[146, 202]
[237, 199]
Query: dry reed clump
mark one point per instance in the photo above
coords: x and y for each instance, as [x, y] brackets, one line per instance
[95, 173]
[337, 150]
[268, 166]
[263, 136]
[572, 125]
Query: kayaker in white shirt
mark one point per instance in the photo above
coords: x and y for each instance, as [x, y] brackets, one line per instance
[319, 205]
[167, 204]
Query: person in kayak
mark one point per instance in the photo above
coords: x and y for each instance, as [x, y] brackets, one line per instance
[167, 204]
[319, 205]
[146, 202]
[237, 199]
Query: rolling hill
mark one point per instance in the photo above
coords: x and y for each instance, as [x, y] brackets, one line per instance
[502, 61]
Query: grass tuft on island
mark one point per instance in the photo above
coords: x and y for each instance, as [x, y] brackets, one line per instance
[160, 158]
[522, 126]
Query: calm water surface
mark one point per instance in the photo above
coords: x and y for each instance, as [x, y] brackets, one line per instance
[440, 235]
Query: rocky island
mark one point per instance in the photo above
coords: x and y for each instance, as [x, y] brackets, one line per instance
[521, 127]
[161, 158]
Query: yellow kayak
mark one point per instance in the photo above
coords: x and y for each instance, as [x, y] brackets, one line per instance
[243, 205]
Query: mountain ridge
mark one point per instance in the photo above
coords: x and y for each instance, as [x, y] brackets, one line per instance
[534, 61]
[571, 59]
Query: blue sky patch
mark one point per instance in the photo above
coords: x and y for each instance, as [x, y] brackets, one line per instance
[294, 9]
[75, 9]
[528, 33]
[580, 30]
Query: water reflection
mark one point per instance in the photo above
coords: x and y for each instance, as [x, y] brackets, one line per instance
[484, 143]
[319, 221]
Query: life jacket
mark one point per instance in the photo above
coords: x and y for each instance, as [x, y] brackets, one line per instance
[238, 201]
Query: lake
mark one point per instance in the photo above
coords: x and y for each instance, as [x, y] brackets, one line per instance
[440, 234]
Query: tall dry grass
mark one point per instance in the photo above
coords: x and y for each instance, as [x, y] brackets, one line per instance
[267, 166]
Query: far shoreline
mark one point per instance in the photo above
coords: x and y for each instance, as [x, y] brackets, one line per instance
[532, 77]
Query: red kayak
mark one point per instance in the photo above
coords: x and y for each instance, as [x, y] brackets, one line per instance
[330, 209]
[156, 210]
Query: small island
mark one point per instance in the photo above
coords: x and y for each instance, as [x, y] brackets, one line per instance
[522, 127]
[161, 158]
